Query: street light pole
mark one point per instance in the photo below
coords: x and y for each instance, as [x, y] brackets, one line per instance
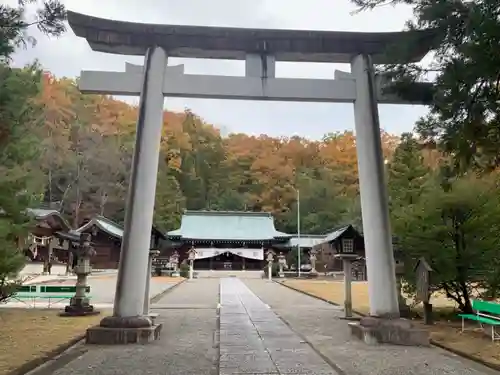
[298, 231]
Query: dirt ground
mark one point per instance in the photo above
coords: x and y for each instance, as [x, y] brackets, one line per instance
[27, 334]
[448, 333]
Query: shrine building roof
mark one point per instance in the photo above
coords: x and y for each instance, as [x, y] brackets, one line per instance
[306, 241]
[131, 38]
[52, 216]
[338, 233]
[228, 226]
[104, 224]
[108, 226]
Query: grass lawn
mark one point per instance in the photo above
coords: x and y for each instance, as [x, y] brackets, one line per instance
[446, 332]
[28, 334]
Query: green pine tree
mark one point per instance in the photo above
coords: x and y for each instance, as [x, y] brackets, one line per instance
[407, 173]
[20, 182]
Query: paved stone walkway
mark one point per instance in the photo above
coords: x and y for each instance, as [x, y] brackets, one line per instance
[187, 345]
[319, 323]
[309, 339]
[253, 340]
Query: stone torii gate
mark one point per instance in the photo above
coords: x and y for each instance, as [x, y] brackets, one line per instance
[260, 49]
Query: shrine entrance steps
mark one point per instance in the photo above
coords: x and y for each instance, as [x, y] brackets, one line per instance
[219, 274]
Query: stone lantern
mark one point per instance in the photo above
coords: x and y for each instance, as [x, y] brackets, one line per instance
[270, 259]
[191, 258]
[174, 261]
[80, 304]
[282, 264]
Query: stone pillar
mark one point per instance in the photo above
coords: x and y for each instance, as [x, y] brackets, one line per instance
[129, 299]
[191, 269]
[152, 254]
[270, 259]
[374, 207]
[347, 288]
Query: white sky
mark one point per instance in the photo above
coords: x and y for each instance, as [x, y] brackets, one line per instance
[68, 55]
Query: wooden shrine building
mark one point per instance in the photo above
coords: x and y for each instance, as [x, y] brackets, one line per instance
[345, 239]
[51, 237]
[43, 240]
[107, 240]
[233, 240]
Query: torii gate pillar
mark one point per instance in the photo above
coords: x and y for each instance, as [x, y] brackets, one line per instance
[374, 207]
[128, 324]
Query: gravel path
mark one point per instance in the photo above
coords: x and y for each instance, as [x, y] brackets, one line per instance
[186, 346]
[318, 322]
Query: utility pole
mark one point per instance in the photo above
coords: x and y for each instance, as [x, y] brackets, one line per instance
[298, 231]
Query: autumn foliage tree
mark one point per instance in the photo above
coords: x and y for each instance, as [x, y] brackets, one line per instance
[87, 147]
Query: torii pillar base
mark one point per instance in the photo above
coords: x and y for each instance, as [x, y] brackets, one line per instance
[373, 331]
[122, 331]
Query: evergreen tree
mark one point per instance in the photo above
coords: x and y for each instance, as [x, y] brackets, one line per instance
[20, 116]
[21, 182]
[14, 24]
[465, 107]
[457, 232]
[407, 172]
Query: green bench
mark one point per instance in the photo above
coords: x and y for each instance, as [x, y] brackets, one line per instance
[50, 293]
[487, 313]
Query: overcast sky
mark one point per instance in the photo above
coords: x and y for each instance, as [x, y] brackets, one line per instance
[68, 55]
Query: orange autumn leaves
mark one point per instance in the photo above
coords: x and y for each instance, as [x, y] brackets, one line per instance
[268, 167]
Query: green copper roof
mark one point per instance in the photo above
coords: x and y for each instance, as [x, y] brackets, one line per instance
[110, 227]
[104, 224]
[228, 225]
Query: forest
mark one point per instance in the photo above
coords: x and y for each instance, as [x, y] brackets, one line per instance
[63, 149]
[87, 146]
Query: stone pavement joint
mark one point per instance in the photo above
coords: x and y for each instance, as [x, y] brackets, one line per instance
[321, 325]
[186, 346]
[254, 340]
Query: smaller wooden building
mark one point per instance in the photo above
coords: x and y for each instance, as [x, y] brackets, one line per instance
[43, 242]
[345, 239]
[107, 239]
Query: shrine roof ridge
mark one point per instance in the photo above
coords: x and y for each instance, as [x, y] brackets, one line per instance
[227, 213]
[44, 213]
[131, 38]
[336, 233]
[227, 225]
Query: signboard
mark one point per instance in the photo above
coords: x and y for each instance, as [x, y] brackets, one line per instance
[423, 271]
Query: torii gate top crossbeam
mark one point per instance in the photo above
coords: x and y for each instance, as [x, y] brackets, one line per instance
[129, 38]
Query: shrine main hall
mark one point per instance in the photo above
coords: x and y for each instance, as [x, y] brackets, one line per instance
[239, 240]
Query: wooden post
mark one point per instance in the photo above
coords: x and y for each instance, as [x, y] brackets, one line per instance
[347, 288]
[428, 316]
[423, 271]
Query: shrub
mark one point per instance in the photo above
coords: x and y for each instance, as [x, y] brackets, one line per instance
[184, 270]
[274, 270]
